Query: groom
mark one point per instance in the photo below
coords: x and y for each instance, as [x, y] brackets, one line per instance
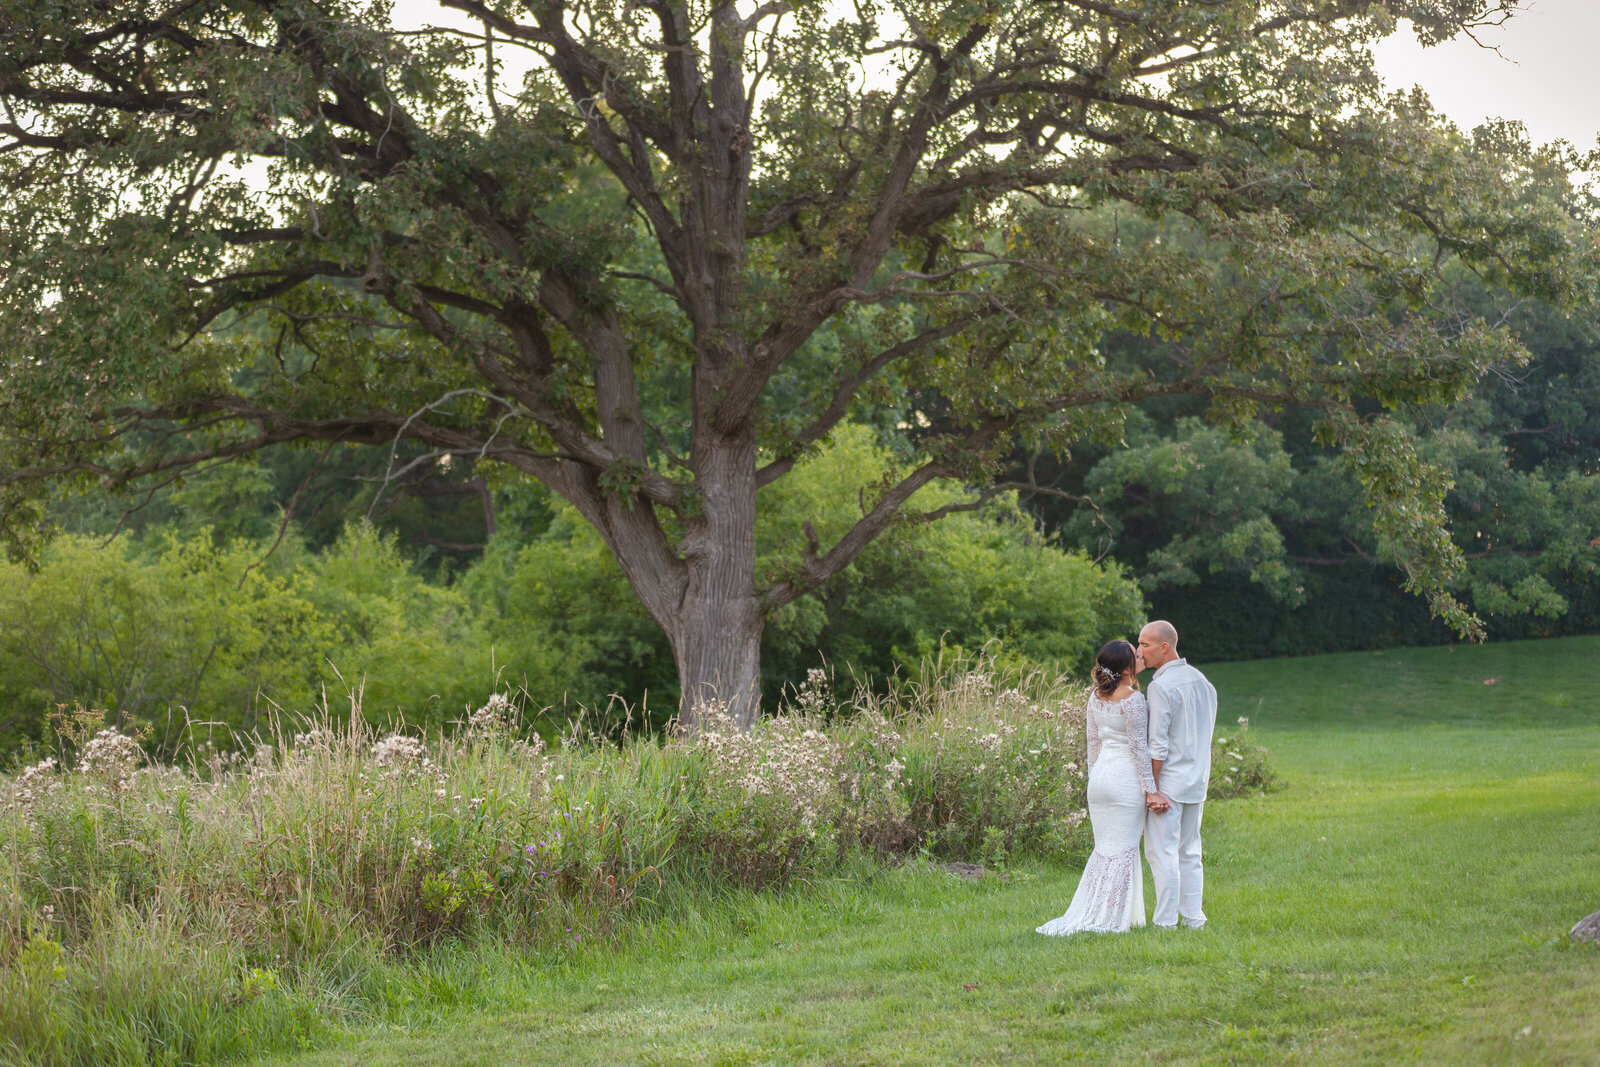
[1183, 712]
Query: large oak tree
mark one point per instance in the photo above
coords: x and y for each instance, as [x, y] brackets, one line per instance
[650, 252]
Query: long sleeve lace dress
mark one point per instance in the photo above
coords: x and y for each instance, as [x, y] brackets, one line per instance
[1110, 895]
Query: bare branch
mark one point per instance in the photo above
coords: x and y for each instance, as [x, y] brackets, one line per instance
[288, 513]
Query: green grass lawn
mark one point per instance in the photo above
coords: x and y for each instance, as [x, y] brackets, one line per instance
[1405, 898]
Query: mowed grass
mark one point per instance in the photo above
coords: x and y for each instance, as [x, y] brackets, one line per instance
[1405, 898]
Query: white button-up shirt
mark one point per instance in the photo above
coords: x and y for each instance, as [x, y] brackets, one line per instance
[1183, 713]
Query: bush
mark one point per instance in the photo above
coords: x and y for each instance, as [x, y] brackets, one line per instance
[152, 629]
[169, 632]
[1239, 766]
[414, 649]
[961, 582]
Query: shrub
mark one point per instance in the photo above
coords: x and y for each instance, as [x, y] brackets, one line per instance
[993, 759]
[148, 629]
[1239, 766]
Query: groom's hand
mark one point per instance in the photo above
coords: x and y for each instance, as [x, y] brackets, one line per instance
[1158, 803]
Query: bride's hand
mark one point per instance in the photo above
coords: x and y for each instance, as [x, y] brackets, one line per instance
[1156, 803]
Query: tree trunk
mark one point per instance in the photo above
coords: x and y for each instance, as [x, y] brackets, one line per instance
[717, 648]
[716, 631]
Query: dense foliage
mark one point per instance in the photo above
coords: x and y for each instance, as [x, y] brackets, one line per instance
[187, 615]
[654, 255]
[1273, 525]
[178, 624]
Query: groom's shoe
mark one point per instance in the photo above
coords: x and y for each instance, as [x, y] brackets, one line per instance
[1187, 925]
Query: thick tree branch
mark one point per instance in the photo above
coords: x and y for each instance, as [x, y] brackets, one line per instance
[816, 569]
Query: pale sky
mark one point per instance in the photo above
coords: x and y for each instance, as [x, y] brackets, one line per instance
[1549, 77]
[1546, 73]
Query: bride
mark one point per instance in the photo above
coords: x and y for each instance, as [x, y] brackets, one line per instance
[1110, 896]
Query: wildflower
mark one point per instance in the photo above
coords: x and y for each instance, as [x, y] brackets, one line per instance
[36, 781]
[400, 755]
[396, 749]
[495, 713]
[111, 757]
[1244, 721]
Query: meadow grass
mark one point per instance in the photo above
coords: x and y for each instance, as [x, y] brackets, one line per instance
[1405, 898]
[263, 897]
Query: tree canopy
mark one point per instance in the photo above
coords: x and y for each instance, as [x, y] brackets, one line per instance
[653, 254]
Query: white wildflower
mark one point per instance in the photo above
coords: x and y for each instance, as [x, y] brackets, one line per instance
[35, 782]
[397, 750]
[111, 758]
[401, 756]
[494, 715]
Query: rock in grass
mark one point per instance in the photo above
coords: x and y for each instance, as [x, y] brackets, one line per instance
[1587, 929]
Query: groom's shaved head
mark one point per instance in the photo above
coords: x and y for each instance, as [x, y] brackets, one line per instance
[1158, 643]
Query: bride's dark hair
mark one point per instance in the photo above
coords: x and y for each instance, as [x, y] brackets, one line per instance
[1114, 660]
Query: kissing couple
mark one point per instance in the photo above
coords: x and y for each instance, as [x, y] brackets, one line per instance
[1149, 765]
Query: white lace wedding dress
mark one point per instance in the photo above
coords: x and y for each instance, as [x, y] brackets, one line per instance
[1110, 896]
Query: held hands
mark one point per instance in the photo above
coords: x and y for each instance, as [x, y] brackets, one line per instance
[1157, 803]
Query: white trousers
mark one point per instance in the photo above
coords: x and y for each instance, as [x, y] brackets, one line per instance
[1172, 848]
